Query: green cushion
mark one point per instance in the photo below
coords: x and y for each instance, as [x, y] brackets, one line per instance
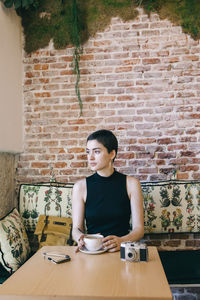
[181, 266]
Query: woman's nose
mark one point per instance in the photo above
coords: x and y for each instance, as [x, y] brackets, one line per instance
[91, 156]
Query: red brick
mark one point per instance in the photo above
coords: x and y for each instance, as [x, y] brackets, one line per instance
[167, 155]
[58, 66]
[135, 148]
[140, 26]
[66, 58]
[76, 121]
[43, 94]
[171, 60]
[125, 155]
[150, 33]
[160, 162]
[172, 243]
[188, 139]
[179, 161]
[196, 176]
[132, 61]
[123, 69]
[45, 172]
[76, 150]
[144, 155]
[41, 67]
[188, 168]
[188, 153]
[49, 143]
[102, 43]
[46, 157]
[39, 164]
[191, 57]
[153, 243]
[116, 91]
[120, 163]
[51, 87]
[56, 150]
[78, 164]
[60, 165]
[66, 72]
[151, 61]
[194, 116]
[166, 141]
[125, 83]
[148, 170]
[147, 141]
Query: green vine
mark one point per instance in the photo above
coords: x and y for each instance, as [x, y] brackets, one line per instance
[77, 52]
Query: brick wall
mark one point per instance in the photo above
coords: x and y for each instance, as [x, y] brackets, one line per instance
[139, 79]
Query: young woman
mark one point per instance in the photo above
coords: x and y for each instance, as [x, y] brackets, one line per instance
[105, 200]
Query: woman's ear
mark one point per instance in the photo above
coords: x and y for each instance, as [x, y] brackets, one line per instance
[113, 155]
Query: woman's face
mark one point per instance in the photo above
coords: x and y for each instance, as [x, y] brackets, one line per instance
[98, 156]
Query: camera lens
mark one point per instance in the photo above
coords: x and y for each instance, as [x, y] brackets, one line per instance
[130, 255]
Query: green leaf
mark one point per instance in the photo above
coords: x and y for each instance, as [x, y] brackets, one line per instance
[27, 3]
[5, 228]
[8, 3]
[17, 3]
[11, 222]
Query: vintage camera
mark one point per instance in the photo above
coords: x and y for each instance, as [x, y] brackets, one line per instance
[133, 252]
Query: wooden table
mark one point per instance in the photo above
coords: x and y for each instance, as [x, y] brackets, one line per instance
[102, 276]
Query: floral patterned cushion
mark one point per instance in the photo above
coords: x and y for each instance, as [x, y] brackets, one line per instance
[44, 199]
[14, 244]
[171, 206]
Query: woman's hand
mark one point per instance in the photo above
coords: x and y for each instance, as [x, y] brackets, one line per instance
[80, 242]
[112, 243]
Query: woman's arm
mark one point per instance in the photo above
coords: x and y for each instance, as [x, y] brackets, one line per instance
[78, 209]
[137, 211]
[112, 242]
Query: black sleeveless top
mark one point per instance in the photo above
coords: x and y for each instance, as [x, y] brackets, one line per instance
[107, 207]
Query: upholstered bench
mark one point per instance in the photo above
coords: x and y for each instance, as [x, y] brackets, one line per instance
[169, 206]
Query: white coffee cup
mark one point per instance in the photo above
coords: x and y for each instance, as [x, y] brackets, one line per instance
[93, 242]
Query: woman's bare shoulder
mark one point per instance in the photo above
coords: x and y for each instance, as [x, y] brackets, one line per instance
[133, 180]
[79, 190]
[80, 185]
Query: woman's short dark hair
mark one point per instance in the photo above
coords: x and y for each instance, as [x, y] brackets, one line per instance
[106, 138]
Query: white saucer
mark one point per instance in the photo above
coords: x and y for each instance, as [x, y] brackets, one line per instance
[84, 250]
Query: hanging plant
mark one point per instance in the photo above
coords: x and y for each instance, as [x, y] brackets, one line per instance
[72, 22]
[77, 52]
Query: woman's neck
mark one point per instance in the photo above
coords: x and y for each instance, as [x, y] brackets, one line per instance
[106, 172]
